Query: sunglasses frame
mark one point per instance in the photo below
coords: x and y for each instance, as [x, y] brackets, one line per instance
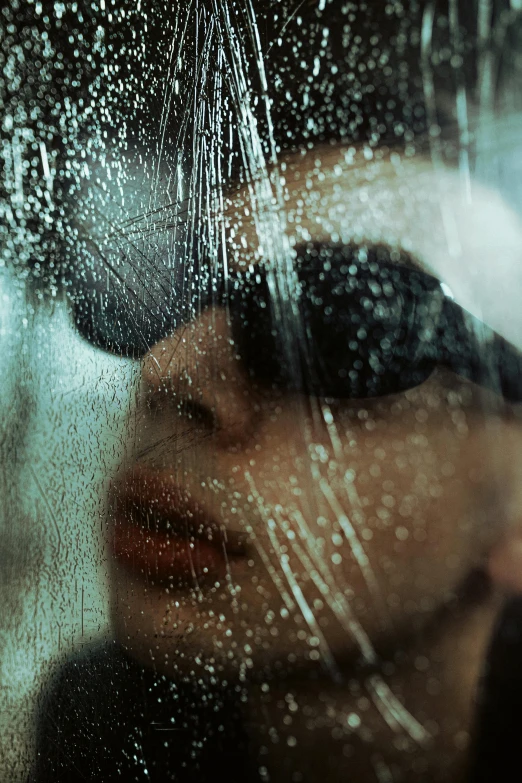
[437, 331]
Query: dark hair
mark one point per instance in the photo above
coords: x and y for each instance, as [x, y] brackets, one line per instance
[77, 81]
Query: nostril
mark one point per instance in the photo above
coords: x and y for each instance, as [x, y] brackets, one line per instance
[200, 416]
[202, 382]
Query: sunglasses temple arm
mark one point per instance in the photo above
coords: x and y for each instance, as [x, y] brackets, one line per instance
[474, 351]
[509, 364]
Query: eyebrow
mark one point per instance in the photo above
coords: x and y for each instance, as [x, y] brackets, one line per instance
[370, 253]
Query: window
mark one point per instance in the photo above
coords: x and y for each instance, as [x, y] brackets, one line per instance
[261, 379]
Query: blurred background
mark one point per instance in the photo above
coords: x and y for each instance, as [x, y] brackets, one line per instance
[62, 409]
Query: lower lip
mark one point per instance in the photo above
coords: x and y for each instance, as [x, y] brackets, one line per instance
[165, 557]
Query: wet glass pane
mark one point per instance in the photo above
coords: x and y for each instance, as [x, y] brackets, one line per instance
[260, 371]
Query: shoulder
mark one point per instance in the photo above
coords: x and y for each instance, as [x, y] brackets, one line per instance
[86, 715]
[103, 718]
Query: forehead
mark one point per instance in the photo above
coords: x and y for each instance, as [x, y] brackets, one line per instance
[458, 230]
[339, 194]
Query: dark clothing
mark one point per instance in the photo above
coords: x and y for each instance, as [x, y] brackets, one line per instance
[498, 735]
[104, 719]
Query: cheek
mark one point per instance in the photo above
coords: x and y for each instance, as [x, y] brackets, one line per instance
[394, 510]
[424, 510]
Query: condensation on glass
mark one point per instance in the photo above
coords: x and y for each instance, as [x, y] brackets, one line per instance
[260, 447]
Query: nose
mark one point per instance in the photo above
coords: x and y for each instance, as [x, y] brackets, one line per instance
[198, 365]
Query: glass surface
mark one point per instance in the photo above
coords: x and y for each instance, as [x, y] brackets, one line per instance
[260, 439]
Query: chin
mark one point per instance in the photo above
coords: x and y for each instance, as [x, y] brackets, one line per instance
[178, 636]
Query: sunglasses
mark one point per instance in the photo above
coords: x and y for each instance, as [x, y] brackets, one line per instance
[349, 322]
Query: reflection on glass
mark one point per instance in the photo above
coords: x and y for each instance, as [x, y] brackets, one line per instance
[285, 236]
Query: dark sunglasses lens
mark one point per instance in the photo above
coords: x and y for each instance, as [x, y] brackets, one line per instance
[127, 310]
[362, 326]
[255, 334]
[355, 326]
[110, 322]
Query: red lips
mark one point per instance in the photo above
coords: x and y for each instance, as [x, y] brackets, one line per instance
[161, 533]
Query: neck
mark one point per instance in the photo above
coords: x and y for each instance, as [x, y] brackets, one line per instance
[410, 721]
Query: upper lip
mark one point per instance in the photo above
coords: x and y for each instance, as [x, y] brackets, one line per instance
[152, 500]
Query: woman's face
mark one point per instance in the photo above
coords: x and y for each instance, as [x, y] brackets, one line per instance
[261, 530]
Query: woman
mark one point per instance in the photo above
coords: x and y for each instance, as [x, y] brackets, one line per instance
[318, 509]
